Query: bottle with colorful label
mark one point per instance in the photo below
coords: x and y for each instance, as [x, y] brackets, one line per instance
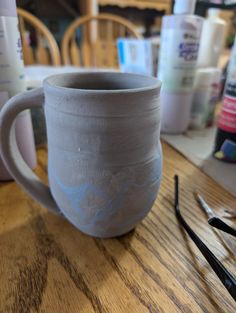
[12, 81]
[180, 36]
[225, 144]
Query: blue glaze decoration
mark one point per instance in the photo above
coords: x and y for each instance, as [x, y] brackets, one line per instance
[76, 194]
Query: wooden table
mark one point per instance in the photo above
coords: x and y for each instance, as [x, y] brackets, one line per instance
[46, 265]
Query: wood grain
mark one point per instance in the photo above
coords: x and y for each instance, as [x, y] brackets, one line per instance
[47, 265]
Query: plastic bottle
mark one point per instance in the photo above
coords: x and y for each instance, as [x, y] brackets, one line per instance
[180, 37]
[12, 81]
[215, 93]
[212, 39]
[225, 144]
[201, 98]
[206, 92]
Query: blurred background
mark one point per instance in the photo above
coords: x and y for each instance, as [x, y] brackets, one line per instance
[145, 14]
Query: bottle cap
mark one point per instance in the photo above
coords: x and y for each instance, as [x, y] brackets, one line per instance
[213, 12]
[8, 8]
[184, 6]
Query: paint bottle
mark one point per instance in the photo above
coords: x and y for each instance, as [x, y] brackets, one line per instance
[212, 39]
[206, 93]
[201, 98]
[216, 86]
[12, 81]
[180, 37]
[225, 143]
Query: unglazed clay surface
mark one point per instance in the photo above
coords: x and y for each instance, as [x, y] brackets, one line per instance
[104, 154]
[104, 151]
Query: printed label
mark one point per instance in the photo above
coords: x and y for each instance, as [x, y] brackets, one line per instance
[227, 151]
[227, 120]
[136, 56]
[178, 57]
[11, 58]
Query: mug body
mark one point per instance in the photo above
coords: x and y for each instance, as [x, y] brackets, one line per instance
[104, 154]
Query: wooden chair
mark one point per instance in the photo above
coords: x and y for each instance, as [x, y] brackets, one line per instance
[97, 45]
[44, 50]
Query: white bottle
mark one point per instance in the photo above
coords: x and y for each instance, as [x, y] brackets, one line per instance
[180, 37]
[206, 93]
[212, 39]
[12, 81]
[215, 94]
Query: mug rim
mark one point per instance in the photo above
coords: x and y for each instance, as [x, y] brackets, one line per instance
[155, 83]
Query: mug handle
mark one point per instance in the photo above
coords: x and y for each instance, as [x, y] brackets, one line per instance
[10, 152]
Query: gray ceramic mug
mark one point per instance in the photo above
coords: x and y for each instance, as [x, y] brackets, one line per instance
[104, 154]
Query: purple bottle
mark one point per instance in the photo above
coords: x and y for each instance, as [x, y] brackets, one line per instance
[12, 81]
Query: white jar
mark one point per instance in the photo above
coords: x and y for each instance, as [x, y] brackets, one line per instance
[201, 98]
[215, 93]
[12, 82]
[212, 39]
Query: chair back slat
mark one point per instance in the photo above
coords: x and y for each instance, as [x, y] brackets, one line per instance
[41, 52]
[27, 50]
[75, 53]
[86, 54]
